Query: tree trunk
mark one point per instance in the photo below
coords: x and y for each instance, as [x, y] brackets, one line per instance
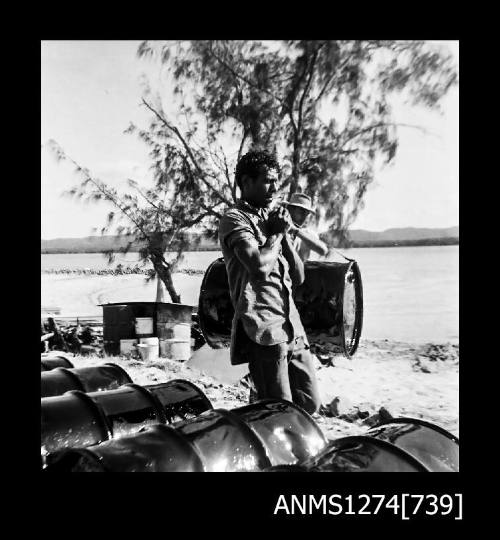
[163, 273]
[160, 293]
[294, 183]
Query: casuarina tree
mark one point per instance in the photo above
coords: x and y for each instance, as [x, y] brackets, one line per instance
[152, 221]
[323, 106]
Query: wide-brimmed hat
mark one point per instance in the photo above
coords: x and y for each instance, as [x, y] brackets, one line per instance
[301, 200]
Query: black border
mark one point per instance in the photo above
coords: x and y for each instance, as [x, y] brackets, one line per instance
[195, 497]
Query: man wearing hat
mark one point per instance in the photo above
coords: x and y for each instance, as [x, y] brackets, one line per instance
[300, 208]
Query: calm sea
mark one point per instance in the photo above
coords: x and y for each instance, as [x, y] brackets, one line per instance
[410, 293]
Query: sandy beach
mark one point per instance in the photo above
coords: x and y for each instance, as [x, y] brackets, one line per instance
[408, 379]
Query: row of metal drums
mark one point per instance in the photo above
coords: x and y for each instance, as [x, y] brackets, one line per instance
[173, 427]
[58, 376]
[399, 445]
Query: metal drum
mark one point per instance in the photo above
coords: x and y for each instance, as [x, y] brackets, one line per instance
[225, 442]
[215, 309]
[158, 448]
[249, 438]
[128, 409]
[330, 300]
[362, 454]
[71, 420]
[51, 362]
[432, 445]
[87, 379]
[288, 432]
[180, 400]
[58, 381]
[286, 468]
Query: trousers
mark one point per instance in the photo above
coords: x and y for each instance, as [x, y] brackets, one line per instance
[284, 371]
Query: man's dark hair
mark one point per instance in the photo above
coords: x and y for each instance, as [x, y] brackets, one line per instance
[251, 163]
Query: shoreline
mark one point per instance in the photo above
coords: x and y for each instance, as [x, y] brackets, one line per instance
[424, 242]
[78, 294]
[409, 377]
[120, 271]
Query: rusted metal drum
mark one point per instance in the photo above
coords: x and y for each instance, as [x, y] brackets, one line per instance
[51, 362]
[121, 411]
[158, 448]
[73, 419]
[287, 468]
[225, 442]
[249, 438]
[359, 453]
[215, 310]
[432, 445]
[288, 432]
[330, 300]
[179, 400]
[88, 379]
[128, 409]
[58, 381]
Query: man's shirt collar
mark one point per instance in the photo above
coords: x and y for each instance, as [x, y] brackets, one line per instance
[244, 205]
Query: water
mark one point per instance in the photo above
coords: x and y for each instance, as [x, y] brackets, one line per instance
[409, 293]
[96, 261]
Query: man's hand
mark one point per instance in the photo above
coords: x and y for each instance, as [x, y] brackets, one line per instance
[279, 221]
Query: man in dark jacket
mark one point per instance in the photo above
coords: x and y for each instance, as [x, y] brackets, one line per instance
[262, 267]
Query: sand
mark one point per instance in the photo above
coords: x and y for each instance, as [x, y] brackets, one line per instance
[382, 374]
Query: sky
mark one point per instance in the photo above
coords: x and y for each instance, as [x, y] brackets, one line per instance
[91, 91]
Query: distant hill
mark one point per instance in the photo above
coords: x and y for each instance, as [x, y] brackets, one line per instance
[401, 235]
[359, 238]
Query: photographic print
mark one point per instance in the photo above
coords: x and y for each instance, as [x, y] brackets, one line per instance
[249, 256]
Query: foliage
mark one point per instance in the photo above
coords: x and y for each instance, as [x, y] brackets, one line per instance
[324, 106]
[153, 218]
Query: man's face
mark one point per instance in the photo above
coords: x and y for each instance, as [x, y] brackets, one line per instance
[298, 215]
[261, 191]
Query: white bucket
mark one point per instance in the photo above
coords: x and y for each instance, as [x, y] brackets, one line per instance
[127, 346]
[149, 341]
[176, 330]
[175, 349]
[143, 326]
[148, 352]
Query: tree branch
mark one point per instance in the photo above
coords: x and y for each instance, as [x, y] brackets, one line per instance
[329, 79]
[187, 149]
[307, 86]
[241, 77]
[381, 124]
[102, 188]
[146, 198]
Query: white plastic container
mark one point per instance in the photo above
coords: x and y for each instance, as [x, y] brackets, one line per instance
[150, 341]
[148, 352]
[127, 346]
[175, 349]
[144, 326]
[177, 330]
